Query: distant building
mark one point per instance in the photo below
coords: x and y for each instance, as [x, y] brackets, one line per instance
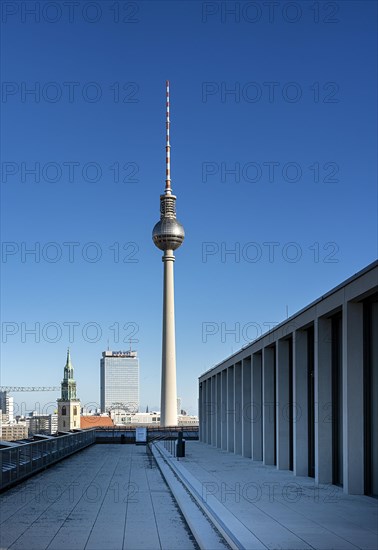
[9, 429]
[187, 420]
[68, 404]
[122, 417]
[13, 432]
[178, 406]
[7, 407]
[119, 381]
[46, 424]
[95, 421]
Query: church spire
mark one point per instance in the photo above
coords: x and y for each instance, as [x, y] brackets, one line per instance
[68, 384]
[68, 363]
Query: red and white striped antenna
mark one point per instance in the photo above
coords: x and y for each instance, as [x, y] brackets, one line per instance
[167, 146]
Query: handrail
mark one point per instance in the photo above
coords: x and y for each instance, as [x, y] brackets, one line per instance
[21, 461]
[163, 438]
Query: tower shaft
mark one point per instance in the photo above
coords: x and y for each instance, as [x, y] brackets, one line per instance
[168, 412]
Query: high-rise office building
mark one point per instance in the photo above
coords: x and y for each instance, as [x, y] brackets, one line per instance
[119, 380]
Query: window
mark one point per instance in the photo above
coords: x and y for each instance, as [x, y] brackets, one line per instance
[64, 412]
[75, 411]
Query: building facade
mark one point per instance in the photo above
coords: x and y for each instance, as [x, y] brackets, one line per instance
[123, 417]
[68, 404]
[7, 406]
[46, 424]
[119, 381]
[304, 396]
[14, 432]
[10, 429]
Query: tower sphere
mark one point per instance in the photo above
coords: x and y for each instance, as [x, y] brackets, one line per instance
[168, 234]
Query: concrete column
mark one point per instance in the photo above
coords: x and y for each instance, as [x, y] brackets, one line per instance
[208, 409]
[300, 403]
[200, 411]
[372, 409]
[203, 407]
[230, 410]
[204, 411]
[247, 410]
[323, 400]
[213, 412]
[219, 409]
[238, 392]
[353, 399]
[269, 406]
[257, 416]
[282, 409]
[224, 410]
[168, 408]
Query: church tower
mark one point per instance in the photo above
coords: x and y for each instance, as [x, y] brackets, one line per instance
[68, 404]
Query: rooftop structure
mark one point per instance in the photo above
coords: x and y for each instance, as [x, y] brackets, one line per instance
[95, 421]
[304, 396]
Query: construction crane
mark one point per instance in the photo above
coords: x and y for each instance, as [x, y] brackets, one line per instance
[29, 388]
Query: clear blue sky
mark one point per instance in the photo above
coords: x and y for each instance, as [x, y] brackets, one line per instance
[299, 131]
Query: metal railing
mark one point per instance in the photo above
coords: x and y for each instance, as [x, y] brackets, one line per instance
[113, 434]
[170, 446]
[17, 463]
[168, 442]
[23, 460]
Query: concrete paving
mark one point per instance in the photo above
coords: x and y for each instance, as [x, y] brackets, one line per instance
[206, 535]
[107, 497]
[262, 507]
[113, 497]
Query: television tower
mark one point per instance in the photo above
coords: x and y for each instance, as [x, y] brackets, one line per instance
[168, 234]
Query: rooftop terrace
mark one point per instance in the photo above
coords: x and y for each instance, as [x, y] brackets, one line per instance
[106, 497]
[116, 497]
